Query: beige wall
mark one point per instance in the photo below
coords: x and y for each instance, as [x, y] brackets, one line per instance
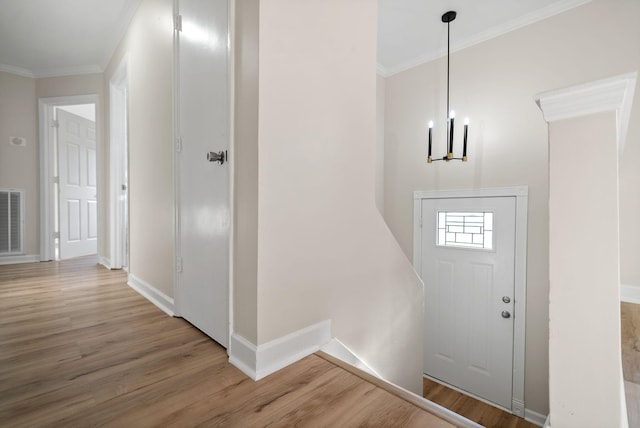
[494, 83]
[245, 156]
[379, 168]
[324, 251]
[149, 46]
[19, 166]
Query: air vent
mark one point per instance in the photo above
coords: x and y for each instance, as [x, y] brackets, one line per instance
[11, 222]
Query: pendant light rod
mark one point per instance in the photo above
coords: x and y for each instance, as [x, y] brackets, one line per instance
[447, 18]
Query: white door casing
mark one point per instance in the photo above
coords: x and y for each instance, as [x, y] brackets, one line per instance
[203, 193]
[48, 160]
[77, 162]
[468, 343]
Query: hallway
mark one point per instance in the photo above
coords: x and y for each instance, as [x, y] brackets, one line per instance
[80, 348]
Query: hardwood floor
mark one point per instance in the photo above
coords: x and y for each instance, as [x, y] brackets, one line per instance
[79, 348]
[471, 408]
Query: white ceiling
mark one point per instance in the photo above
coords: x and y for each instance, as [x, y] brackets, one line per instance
[411, 32]
[41, 38]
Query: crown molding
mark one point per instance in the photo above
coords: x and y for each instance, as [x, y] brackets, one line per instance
[16, 70]
[615, 93]
[67, 71]
[499, 30]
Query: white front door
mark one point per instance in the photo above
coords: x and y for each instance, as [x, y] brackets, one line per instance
[78, 215]
[467, 265]
[203, 127]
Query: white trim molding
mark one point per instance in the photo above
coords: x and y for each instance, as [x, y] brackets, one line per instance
[19, 259]
[104, 262]
[630, 293]
[152, 294]
[260, 361]
[47, 161]
[535, 417]
[521, 194]
[615, 93]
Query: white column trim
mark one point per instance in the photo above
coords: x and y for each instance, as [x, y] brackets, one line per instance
[614, 93]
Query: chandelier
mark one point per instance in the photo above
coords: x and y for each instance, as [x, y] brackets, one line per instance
[447, 18]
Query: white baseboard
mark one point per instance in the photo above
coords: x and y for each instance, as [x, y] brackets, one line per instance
[23, 258]
[152, 294]
[338, 350]
[260, 361]
[547, 423]
[535, 417]
[104, 262]
[629, 293]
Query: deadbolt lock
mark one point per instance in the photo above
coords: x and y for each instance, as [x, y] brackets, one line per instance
[506, 299]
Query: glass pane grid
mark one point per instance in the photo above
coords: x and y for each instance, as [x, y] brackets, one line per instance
[465, 229]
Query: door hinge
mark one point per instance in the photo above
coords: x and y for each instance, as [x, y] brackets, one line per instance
[55, 123]
[177, 22]
[56, 235]
[179, 264]
[178, 144]
[56, 180]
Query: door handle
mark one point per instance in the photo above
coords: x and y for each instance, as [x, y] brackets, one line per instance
[220, 157]
[506, 314]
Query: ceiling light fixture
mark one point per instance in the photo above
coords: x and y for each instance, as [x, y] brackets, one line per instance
[447, 18]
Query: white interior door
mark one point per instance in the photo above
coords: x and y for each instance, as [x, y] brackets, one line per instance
[78, 206]
[467, 267]
[204, 210]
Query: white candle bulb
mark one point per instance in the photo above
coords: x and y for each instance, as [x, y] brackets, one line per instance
[431, 124]
[452, 114]
[466, 120]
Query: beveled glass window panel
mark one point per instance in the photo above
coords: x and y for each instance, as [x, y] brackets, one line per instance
[465, 229]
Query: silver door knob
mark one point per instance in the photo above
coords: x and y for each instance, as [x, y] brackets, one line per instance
[506, 299]
[506, 314]
[216, 157]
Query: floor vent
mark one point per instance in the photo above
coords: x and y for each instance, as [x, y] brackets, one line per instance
[11, 221]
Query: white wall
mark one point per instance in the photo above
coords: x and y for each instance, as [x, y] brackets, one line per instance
[149, 45]
[324, 251]
[494, 83]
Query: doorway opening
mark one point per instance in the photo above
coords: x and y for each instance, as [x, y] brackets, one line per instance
[69, 163]
[470, 250]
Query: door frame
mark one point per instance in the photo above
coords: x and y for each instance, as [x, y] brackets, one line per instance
[521, 193]
[47, 161]
[118, 147]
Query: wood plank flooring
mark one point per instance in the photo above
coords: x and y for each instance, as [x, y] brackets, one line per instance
[472, 409]
[79, 348]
